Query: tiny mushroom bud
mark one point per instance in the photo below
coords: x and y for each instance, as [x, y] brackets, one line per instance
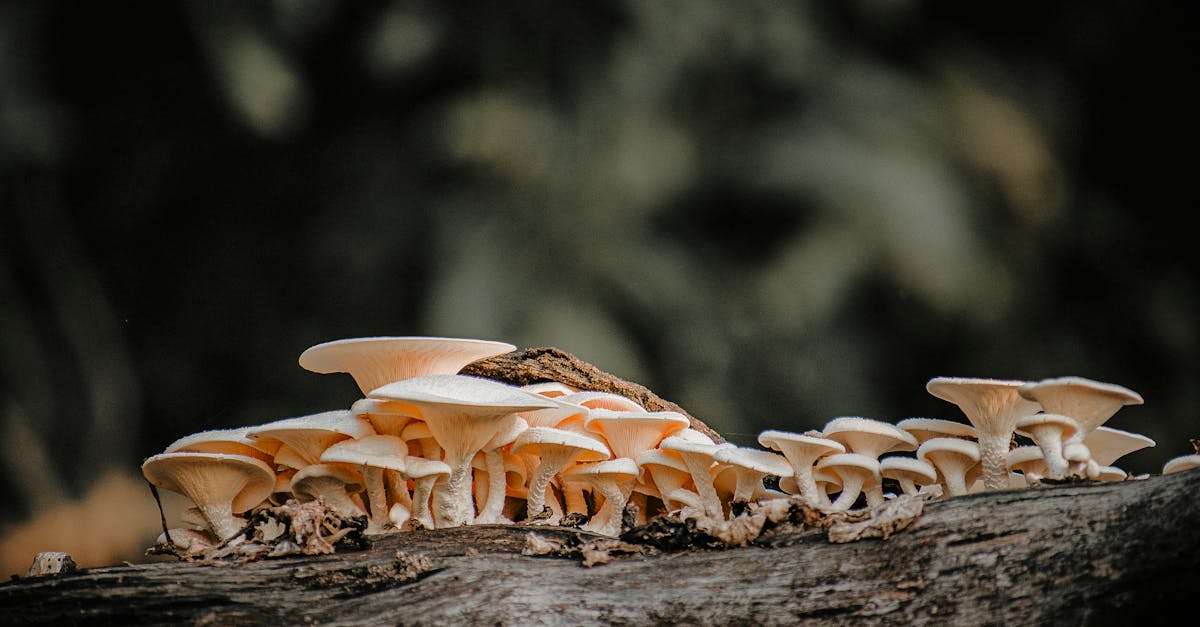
[993, 406]
[1049, 431]
[802, 451]
[332, 483]
[752, 466]
[373, 455]
[954, 458]
[376, 361]
[220, 484]
[614, 480]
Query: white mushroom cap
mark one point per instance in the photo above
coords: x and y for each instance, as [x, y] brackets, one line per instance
[464, 413]
[911, 473]
[751, 467]
[310, 435]
[387, 417]
[858, 473]
[332, 483]
[924, 428]
[954, 458]
[1108, 444]
[560, 412]
[1181, 463]
[667, 472]
[1089, 402]
[1049, 431]
[219, 484]
[802, 451]
[867, 436]
[554, 450]
[1111, 474]
[614, 480]
[1029, 461]
[993, 406]
[376, 361]
[593, 399]
[372, 455]
[552, 389]
[628, 433]
[230, 441]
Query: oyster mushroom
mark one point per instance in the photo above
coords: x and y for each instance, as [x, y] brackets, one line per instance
[628, 433]
[220, 484]
[867, 436]
[554, 450]
[954, 458]
[1089, 402]
[751, 467]
[332, 483]
[376, 361]
[614, 480]
[308, 436]
[1049, 431]
[858, 474]
[993, 406]
[803, 451]
[373, 455]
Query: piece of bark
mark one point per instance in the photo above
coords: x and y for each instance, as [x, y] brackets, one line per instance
[536, 365]
[1124, 553]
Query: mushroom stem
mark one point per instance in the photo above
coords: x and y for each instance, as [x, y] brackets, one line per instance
[453, 504]
[420, 500]
[993, 457]
[220, 519]
[852, 485]
[698, 467]
[553, 459]
[574, 502]
[608, 519]
[748, 484]
[1051, 442]
[907, 486]
[493, 508]
[377, 496]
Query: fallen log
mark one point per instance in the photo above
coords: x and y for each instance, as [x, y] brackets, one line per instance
[1076, 554]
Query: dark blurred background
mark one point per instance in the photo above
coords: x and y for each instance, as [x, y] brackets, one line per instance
[772, 213]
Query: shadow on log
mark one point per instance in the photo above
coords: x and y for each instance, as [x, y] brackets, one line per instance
[1123, 553]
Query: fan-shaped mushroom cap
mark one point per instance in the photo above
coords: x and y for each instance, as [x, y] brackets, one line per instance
[1108, 444]
[614, 480]
[1089, 402]
[911, 473]
[561, 411]
[751, 467]
[802, 451]
[993, 406]
[376, 361]
[925, 428]
[1181, 463]
[387, 417]
[554, 449]
[309, 436]
[372, 455]
[953, 458]
[285, 457]
[857, 473]
[552, 389]
[229, 441]
[628, 433]
[463, 413]
[593, 399]
[867, 436]
[220, 485]
[332, 483]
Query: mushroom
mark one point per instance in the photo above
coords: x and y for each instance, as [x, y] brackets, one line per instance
[1029, 461]
[463, 413]
[593, 399]
[628, 433]
[1181, 463]
[1049, 431]
[560, 412]
[614, 480]
[387, 417]
[1089, 402]
[373, 455]
[554, 449]
[993, 406]
[924, 428]
[867, 436]
[698, 457]
[287, 458]
[229, 441]
[309, 436]
[1108, 444]
[667, 473]
[752, 466]
[954, 458]
[420, 438]
[492, 511]
[426, 475]
[283, 486]
[551, 389]
[911, 473]
[857, 473]
[802, 451]
[376, 361]
[333, 484]
[220, 484]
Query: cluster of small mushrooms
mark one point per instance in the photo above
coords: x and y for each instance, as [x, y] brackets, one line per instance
[426, 447]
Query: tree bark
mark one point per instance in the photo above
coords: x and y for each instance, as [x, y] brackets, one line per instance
[1073, 554]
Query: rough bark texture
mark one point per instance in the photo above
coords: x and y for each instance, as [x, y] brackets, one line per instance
[1077, 554]
[534, 365]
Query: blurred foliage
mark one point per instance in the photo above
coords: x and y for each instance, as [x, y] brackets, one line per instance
[772, 213]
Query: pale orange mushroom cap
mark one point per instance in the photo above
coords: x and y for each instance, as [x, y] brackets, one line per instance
[628, 433]
[376, 361]
[867, 436]
[1089, 402]
[308, 436]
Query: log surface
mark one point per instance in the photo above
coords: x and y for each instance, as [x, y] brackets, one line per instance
[1077, 554]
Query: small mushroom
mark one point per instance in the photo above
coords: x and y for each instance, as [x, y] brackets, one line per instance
[954, 458]
[492, 511]
[628, 433]
[867, 436]
[1029, 461]
[1108, 444]
[993, 406]
[387, 417]
[614, 480]
[554, 449]
[373, 455]
[593, 399]
[924, 428]
[220, 484]
[230, 441]
[858, 474]
[427, 475]
[752, 466]
[331, 483]
[1049, 431]
[698, 457]
[420, 438]
[309, 436]
[376, 361]
[802, 451]
[911, 473]
[1181, 463]
[1089, 402]
[667, 473]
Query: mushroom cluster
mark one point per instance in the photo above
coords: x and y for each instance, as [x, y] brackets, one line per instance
[427, 447]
